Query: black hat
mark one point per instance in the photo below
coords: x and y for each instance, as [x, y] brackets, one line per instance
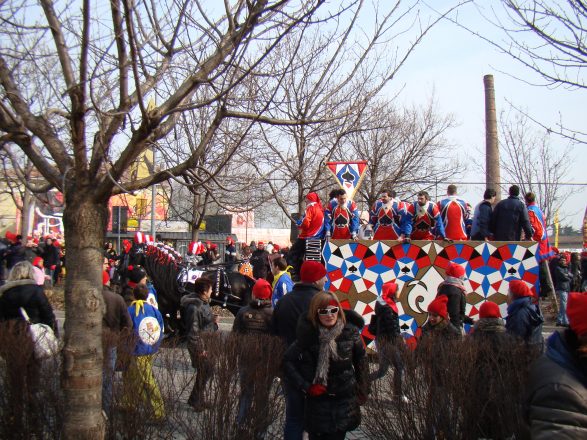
[136, 273]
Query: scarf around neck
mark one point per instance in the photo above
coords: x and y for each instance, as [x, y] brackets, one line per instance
[327, 340]
[453, 281]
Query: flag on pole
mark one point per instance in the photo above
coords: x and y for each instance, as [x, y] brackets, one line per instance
[349, 175]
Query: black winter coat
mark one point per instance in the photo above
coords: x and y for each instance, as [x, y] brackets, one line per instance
[289, 309]
[525, 320]
[254, 319]
[456, 303]
[384, 323]
[260, 262]
[337, 410]
[30, 296]
[509, 217]
[562, 277]
[50, 256]
[197, 318]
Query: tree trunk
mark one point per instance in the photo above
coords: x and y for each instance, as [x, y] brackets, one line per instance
[28, 204]
[85, 223]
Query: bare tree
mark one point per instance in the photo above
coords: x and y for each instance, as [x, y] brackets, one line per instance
[74, 87]
[529, 160]
[406, 149]
[331, 76]
[549, 37]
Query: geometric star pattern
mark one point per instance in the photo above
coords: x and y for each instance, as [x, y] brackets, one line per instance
[358, 270]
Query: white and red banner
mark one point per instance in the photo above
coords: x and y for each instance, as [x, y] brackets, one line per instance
[349, 175]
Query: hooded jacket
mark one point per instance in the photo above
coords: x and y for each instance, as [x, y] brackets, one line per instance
[312, 223]
[525, 320]
[338, 409]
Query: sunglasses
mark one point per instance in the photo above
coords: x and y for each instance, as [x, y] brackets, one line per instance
[330, 311]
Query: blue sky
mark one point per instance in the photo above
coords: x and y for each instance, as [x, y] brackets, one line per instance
[451, 63]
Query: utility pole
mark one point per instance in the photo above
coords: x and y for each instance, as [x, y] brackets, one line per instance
[153, 200]
[492, 173]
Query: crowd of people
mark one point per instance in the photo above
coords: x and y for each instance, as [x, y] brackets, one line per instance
[325, 371]
[46, 254]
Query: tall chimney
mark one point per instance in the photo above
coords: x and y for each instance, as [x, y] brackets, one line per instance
[492, 178]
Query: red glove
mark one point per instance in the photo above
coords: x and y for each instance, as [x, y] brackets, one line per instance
[316, 389]
[52, 267]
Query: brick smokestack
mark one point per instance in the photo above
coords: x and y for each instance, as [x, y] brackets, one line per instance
[492, 177]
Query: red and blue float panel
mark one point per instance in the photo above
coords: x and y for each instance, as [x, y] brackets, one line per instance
[358, 269]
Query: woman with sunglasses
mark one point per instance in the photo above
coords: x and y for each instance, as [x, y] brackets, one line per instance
[327, 362]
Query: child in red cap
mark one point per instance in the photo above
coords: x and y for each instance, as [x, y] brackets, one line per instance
[454, 289]
[254, 319]
[489, 330]
[558, 379]
[438, 323]
[524, 319]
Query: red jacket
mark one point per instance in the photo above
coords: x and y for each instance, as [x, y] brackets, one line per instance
[312, 223]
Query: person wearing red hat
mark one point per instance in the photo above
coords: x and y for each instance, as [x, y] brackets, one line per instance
[524, 319]
[490, 324]
[438, 324]
[16, 252]
[284, 323]
[210, 255]
[453, 288]
[253, 319]
[229, 250]
[39, 270]
[256, 317]
[260, 261]
[492, 352]
[384, 325]
[51, 259]
[328, 365]
[557, 404]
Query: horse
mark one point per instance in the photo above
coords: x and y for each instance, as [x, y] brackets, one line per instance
[171, 279]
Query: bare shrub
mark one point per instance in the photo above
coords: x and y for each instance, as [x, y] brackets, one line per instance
[239, 362]
[455, 390]
[31, 402]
